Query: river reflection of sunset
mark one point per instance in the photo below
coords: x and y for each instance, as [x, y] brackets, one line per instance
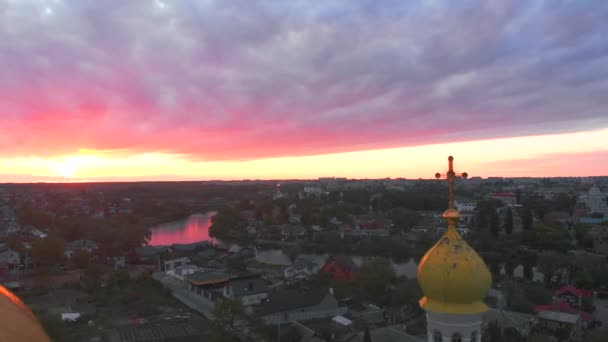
[194, 229]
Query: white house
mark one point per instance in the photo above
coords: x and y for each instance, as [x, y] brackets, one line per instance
[595, 200]
[38, 233]
[180, 272]
[174, 263]
[11, 257]
[300, 269]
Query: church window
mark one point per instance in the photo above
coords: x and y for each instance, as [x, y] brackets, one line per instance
[437, 336]
[456, 338]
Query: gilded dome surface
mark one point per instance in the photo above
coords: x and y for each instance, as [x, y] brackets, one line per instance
[452, 275]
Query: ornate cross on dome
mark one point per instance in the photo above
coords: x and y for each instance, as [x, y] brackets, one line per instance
[450, 176]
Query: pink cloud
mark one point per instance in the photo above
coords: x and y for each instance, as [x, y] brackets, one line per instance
[551, 165]
[232, 80]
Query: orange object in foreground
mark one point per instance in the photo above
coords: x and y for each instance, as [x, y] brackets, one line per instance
[18, 322]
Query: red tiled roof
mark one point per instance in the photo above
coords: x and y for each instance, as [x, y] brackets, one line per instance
[569, 289]
[503, 194]
[563, 307]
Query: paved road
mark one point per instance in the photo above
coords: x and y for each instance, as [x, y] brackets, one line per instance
[181, 292]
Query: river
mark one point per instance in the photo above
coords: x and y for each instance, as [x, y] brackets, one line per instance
[196, 229]
[193, 229]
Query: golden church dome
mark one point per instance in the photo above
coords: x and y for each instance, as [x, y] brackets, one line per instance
[18, 322]
[452, 275]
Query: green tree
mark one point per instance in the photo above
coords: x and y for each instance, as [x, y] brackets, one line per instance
[91, 277]
[119, 278]
[367, 336]
[257, 327]
[600, 335]
[48, 251]
[81, 259]
[541, 338]
[291, 334]
[55, 328]
[406, 292]
[374, 278]
[294, 252]
[404, 218]
[526, 218]
[227, 312]
[583, 279]
[14, 242]
[587, 304]
[228, 224]
[326, 331]
[494, 224]
[509, 221]
[237, 264]
[548, 264]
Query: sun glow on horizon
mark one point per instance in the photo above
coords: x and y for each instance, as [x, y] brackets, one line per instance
[571, 154]
[65, 169]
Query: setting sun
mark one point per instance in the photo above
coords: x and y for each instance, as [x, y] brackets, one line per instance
[66, 168]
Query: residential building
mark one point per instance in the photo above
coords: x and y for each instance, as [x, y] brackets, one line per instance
[467, 212]
[293, 232]
[555, 321]
[595, 200]
[11, 258]
[212, 285]
[250, 291]
[312, 191]
[301, 268]
[521, 322]
[387, 334]
[172, 264]
[160, 331]
[286, 306]
[570, 295]
[79, 245]
[507, 198]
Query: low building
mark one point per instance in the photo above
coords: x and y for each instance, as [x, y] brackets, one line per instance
[586, 318]
[172, 264]
[293, 232]
[80, 245]
[570, 295]
[207, 284]
[250, 291]
[495, 299]
[555, 321]
[506, 198]
[387, 334]
[213, 285]
[521, 322]
[287, 306]
[367, 315]
[11, 258]
[156, 332]
[301, 268]
[595, 200]
[181, 272]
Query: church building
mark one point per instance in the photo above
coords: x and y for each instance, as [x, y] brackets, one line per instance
[454, 280]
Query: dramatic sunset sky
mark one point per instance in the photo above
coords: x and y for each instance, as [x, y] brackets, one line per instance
[231, 89]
